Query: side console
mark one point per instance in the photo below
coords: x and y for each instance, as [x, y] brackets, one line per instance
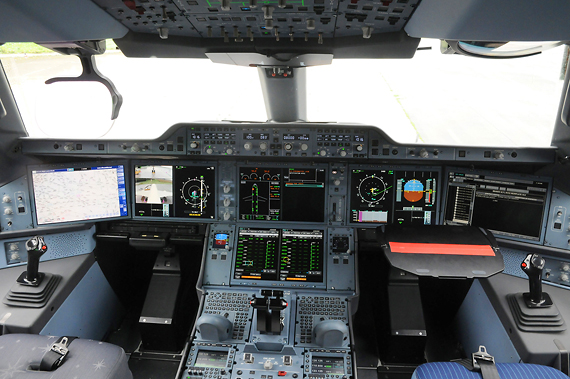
[286, 311]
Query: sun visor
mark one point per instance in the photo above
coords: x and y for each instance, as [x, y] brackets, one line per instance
[475, 20]
[64, 20]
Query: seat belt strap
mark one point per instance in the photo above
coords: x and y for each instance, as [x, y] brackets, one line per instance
[53, 358]
[485, 362]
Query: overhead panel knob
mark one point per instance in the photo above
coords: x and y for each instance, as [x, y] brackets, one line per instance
[194, 145]
[342, 153]
[424, 153]
[263, 146]
[304, 146]
[248, 146]
[359, 147]
[229, 151]
[323, 153]
[288, 146]
[209, 150]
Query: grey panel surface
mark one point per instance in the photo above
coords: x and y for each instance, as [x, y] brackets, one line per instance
[477, 324]
[87, 313]
[536, 348]
[474, 20]
[26, 320]
[75, 20]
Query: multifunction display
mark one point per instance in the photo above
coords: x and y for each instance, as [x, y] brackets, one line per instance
[327, 365]
[279, 255]
[393, 196]
[282, 194]
[211, 358]
[71, 194]
[507, 204]
[175, 191]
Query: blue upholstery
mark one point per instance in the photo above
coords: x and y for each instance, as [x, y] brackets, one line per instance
[87, 359]
[452, 370]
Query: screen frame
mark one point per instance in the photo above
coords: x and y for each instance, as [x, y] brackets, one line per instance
[76, 165]
[438, 196]
[282, 165]
[507, 175]
[216, 186]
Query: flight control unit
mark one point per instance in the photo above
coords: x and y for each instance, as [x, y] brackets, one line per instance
[276, 303]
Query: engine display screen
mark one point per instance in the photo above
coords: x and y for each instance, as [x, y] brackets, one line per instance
[406, 197]
[74, 194]
[327, 365]
[282, 194]
[279, 255]
[509, 205]
[175, 191]
[211, 358]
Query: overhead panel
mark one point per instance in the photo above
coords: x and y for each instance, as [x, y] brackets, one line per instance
[238, 21]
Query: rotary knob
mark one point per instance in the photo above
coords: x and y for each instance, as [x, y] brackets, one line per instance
[564, 277]
[323, 153]
[263, 146]
[248, 146]
[227, 188]
[304, 146]
[423, 153]
[288, 146]
[227, 202]
[229, 151]
[8, 211]
[343, 153]
[69, 147]
[499, 155]
[359, 147]
[209, 150]
[337, 182]
[226, 217]
[135, 148]
[6, 199]
[194, 145]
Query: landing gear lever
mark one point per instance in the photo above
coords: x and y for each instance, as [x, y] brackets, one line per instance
[533, 265]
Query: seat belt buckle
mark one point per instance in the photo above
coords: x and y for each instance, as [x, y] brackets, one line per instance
[483, 356]
[61, 349]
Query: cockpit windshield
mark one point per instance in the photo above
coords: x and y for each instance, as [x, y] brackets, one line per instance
[432, 98]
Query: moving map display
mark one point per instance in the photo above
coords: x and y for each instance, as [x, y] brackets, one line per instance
[386, 196]
[175, 191]
[73, 194]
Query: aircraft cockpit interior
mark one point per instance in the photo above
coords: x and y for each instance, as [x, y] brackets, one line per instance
[155, 234]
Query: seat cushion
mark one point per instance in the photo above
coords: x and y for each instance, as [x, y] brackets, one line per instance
[452, 370]
[87, 359]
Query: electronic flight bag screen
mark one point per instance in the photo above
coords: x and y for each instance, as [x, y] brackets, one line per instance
[282, 194]
[75, 194]
[279, 255]
[406, 197]
[175, 191]
[509, 205]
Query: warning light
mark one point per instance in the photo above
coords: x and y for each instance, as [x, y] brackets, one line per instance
[282, 373]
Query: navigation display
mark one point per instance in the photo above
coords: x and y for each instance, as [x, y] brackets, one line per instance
[386, 196]
[279, 255]
[175, 191]
[509, 205]
[71, 194]
[282, 194]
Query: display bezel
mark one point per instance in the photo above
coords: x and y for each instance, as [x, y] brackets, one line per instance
[506, 175]
[280, 165]
[395, 169]
[216, 188]
[78, 165]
